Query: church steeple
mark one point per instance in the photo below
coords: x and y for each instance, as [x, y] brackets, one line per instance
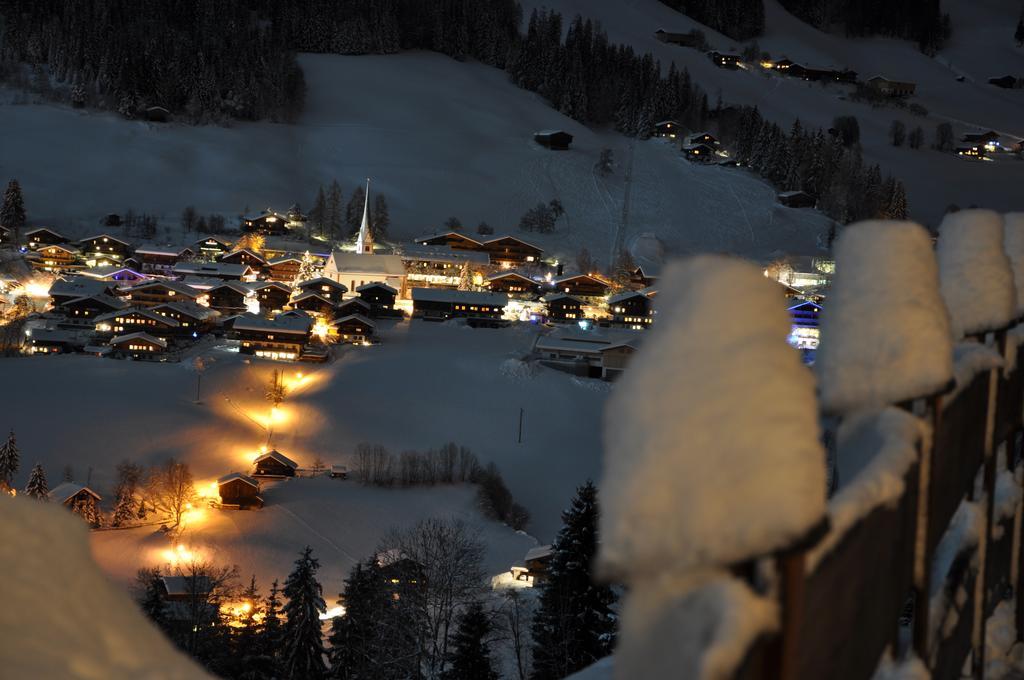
[364, 242]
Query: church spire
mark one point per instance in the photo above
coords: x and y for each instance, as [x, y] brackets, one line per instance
[364, 242]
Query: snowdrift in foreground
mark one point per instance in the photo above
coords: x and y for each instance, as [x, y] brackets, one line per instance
[711, 439]
[885, 334]
[62, 615]
[976, 278]
[1013, 243]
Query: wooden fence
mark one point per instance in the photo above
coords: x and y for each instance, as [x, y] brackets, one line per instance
[840, 614]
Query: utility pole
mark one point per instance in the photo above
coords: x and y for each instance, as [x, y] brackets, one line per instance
[520, 425]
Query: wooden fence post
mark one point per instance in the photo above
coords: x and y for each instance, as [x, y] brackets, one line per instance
[922, 556]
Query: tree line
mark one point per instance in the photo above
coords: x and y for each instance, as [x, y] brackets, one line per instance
[738, 19]
[923, 22]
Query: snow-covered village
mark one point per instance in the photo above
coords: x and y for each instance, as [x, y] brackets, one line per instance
[512, 339]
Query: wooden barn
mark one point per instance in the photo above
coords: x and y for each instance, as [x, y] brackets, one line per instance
[281, 338]
[891, 88]
[230, 297]
[56, 258]
[729, 61]
[583, 285]
[272, 295]
[631, 309]
[78, 498]
[104, 247]
[273, 463]
[249, 258]
[66, 289]
[689, 39]
[191, 318]
[267, 222]
[138, 346]
[37, 238]
[238, 490]
[352, 306]
[51, 341]
[557, 140]
[563, 307]
[353, 328]
[509, 251]
[703, 138]
[225, 271]
[284, 268]
[136, 320]
[699, 153]
[796, 199]
[439, 304]
[313, 302]
[324, 287]
[669, 129]
[155, 293]
[161, 259]
[513, 284]
[645, 274]
[84, 310]
[381, 298]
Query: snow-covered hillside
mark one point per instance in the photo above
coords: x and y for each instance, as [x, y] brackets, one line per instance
[981, 47]
[438, 137]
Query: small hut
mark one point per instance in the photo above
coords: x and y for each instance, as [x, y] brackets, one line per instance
[556, 140]
[238, 490]
[273, 463]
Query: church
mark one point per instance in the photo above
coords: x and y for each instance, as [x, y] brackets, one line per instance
[363, 266]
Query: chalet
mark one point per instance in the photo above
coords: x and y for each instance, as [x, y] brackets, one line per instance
[400, 572]
[976, 151]
[689, 39]
[138, 346]
[225, 271]
[157, 114]
[192, 319]
[76, 497]
[239, 491]
[353, 328]
[438, 304]
[213, 246]
[313, 302]
[230, 297]
[797, 199]
[587, 354]
[37, 238]
[329, 289]
[51, 341]
[583, 285]
[1006, 82]
[84, 311]
[891, 88]
[557, 140]
[352, 306]
[631, 309]
[441, 265]
[281, 338]
[266, 222]
[271, 295]
[645, 274]
[729, 61]
[273, 463]
[804, 332]
[535, 564]
[105, 248]
[155, 293]
[513, 284]
[699, 153]
[983, 138]
[64, 290]
[285, 268]
[358, 269]
[562, 307]
[137, 320]
[115, 273]
[186, 599]
[161, 259]
[509, 251]
[667, 128]
[452, 239]
[703, 138]
[57, 258]
[243, 256]
[381, 298]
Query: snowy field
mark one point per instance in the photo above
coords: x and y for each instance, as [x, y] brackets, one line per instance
[438, 137]
[427, 384]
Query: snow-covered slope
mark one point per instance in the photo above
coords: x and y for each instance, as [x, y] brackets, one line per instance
[438, 137]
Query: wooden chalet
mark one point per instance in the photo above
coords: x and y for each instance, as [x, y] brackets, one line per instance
[353, 328]
[64, 290]
[441, 265]
[670, 129]
[272, 296]
[703, 138]
[313, 302]
[380, 297]
[987, 137]
[229, 297]
[513, 284]
[891, 88]
[563, 307]
[211, 246]
[120, 274]
[797, 199]
[37, 238]
[976, 151]
[51, 341]
[84, 311]
[285, 268]
[243, 256]
[438, 304]
[556, 140]
[729, 61]
[192, 319]
[57, 258]
[225, 271]
[239, 491]
[587, 354]
[689, 39]
[281, 338]
[73, 495]
[352, 306]
[698, 153]
[452, 239]
[105, 248]
[324, 287]
[267, 222]
[583, 285]
[536, 562]
[138, 346]
[273, 463]
[645, 274]
[631, 309]
[137, 319]
[155, 293]
[509, 251]
[161, 259]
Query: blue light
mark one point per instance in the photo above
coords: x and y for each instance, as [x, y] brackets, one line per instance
[584, 324]
[194, 335]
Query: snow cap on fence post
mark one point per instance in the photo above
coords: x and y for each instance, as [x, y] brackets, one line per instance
[885, 331]
[712, 450]
[1013, 242]
[974, 272]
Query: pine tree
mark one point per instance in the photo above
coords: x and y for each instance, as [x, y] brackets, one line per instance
[334, 216]
[251, 658]
[303, 645]
[355, 638]
[12, 210]
[308, 268]
[271, 632]
[9, 460]
[124, 509]
[381, 217]
[37, 487]
[470, 657]
[152, 602]
[574, 626]
[1018, 35]
[354, 211]
[318, 215]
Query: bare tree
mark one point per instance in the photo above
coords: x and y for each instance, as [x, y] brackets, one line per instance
[516, 617]
[171, 488]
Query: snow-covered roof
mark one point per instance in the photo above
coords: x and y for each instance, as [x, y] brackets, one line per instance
[40, 230]
[509, 237]
[274, 454]
[187, 308]
[106, 236]
[791, 194]
[354, 301]
[171, 251]
[242, 251]
[443, 254]
[146, 337]
[511, 274]
[538, 552]
[176, 286]
[282, 323]
[551, 297]
[102, 298]
[752, 428]
[376, 284]
[61, 246]
[976, 278]
[570, 277]
[470, 297]
[216, 269]
[322, 281]
[354, 317]
[283, 259]
[696, 147]
[440, 234]
[109, 271]
[52, 335]
[551, 132]
[62, 492]
[221, 241]
[186, 585]
[364, 263]
[78, 287]
[138, 311]
[625, 295]
[231, 476]
[585, 342]
[236, 286]
[260, 285]
[309, 294]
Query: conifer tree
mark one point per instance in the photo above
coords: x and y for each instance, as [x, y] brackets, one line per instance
[124, 509]
[308, 268]
[354, 211]
[381, 218]
[318, 215]
[152, 601]
[37, 487]
[9, 460]
[12, 209]
[303, 647]
[470, 658]
[271, 632]
[574, 626]
[356, 637]
[334, 215]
